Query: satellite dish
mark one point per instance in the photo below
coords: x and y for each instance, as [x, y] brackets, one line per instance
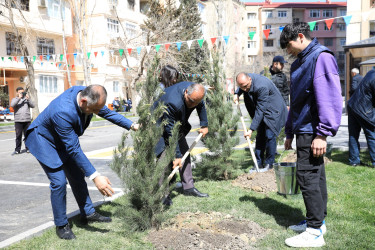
[132, 62]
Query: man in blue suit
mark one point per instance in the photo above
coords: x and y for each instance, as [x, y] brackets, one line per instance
[181, 99]
[268, 111]
[53, 139]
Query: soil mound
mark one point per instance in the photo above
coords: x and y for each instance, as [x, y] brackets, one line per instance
[259, 182]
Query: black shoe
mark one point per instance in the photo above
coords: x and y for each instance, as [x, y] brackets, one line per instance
[95, 217]
[194, 192]
[16, 152]
[65, 233]
[167, 201]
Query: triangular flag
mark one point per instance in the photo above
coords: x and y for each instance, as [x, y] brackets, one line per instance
[34, 57]
[281, 28]
[189, 43]
[41, 58]
[213, 40]
[200, 41]
[178, 44]
[61, 57]
[157, 47]
[67, 57]
[102, 53]
[56, 64]
[139, 50]
[15, 58]
[75, 56]
[48, 57]
[121, 51]
[251, 35]
[347, 19]
[226, 38]
[54, 57]
[111, 52]
[130, 51]
[59, 64]
[266, 33]
[21, 58]
[72, 66]
[68, 66]
[41, 64]
[96, 53]
[2, 58]
[329, 23]
[167, 46]
[88, 55]
[10, 58]
[127, 69]
[312, 25]
[148, 48]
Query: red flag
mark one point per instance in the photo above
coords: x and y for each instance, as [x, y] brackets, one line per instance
[213, 40]
[41, 58]
[67, 57]
[96, 53]
[167, 46]
[329, 23]
[56, 64]
[73, 66]
[130, 51]
[266, 33]
[15, 58]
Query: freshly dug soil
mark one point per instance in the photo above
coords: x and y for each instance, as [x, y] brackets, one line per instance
[259, 182]
[292, 157]
[207, 231]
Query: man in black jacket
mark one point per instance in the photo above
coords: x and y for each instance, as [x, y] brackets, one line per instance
[268, 112]
[356, 79]
[361, 114]
[279, 78]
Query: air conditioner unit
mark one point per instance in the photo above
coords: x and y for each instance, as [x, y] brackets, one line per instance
[42, 4]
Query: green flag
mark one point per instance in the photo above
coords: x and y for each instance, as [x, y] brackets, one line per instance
[251, 35]
[200, 41]
[88, 55]
[312, 25]
[34, 57]
[157, 47]
[61, 57]
[121, 51]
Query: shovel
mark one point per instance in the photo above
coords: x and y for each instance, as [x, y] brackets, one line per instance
[247, 138]
[185, 156]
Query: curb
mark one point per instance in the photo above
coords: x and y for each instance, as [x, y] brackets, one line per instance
[40, 229]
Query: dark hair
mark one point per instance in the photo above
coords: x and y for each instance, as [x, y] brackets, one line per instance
[93, 93]
[168, 76]
[19, 88]
[291, 31]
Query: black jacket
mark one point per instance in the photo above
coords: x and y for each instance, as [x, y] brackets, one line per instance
[355, 83]
[280, 81]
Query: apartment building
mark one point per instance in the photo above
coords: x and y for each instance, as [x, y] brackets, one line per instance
[41, 28]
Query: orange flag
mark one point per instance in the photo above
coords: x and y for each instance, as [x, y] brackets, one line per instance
[130, 51]
[213, 40]
[329, 23]
[266, 33]
[167, 46]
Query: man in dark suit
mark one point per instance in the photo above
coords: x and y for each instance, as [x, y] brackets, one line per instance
[53, 139]
[357, 78]
[268, 111]
[181, 99]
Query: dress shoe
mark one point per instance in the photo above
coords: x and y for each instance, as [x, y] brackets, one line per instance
[95, 217]
[65, 233]
[194, 192]
[16, 153]
[167, 201]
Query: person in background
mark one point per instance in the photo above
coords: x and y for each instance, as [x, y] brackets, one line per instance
[116, 104]
[22, 117]
[168, 76]
[279, 78]
[356, 79]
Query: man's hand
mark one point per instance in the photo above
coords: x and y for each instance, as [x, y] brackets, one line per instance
[135, 126]
[203, 130]
[319, 146]
[103, 185]
[288, 144]
[177, 163]
[236, 99]
[248, 133]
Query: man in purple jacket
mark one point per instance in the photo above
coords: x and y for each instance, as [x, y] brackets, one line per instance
[315, 113]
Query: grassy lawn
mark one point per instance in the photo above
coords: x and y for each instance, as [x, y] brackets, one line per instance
[6, 124]
[350, 221]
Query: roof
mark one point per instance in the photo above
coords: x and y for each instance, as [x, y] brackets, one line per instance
[307, 5]
[369, 42]
[371, 61]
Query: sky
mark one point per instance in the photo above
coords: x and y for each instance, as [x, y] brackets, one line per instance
[289, 1]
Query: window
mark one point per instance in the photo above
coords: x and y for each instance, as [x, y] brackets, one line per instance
[341, 26]
[47, 84]
[295, 20]
[281, 13]
[251, 44]
[251, 59]
[131, 30]
[251, 16]
[326, 27]
[342, 12]
[268, 43]
[115, 86]
[131, 4]
[328, 41]
[341, 55]
[54, 8]
[45, 46]
[13, 47]
[314, 13]
[200, 8]
[20, 4]
[251, 29]
[267, 14]
[316, 27]
[342, 41]
[113, 26]
[267, 26]
[327, 13]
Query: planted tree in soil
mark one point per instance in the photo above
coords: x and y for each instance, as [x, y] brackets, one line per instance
[219, 163]
[140, 170]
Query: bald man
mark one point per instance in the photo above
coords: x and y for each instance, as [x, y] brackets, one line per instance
[53, 139]
[268, 112]
[181, 99]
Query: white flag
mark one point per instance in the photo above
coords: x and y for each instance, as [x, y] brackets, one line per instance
[148, 48]
[189, 43]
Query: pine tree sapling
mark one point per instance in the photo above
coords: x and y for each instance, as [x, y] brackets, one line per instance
[140, 170]
[221, 138]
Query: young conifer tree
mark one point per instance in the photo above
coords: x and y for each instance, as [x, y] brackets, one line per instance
[140, 170]
[222, 135]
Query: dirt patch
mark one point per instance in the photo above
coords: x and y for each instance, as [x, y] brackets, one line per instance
[207, 231]
[259, 182]
[292, 157]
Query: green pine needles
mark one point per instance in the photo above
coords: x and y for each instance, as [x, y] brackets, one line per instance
[219, 163]
[139, 169]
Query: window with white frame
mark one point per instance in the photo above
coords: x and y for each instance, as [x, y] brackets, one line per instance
[131, 4]
[12, 45]
[267, 26]
[342, 41]
[116, 85]
[342, 12]
[341, 26]
[113, 26]
[314, 13]
[327, 13]
[268, 43]
[54, 9]
[251, 44]
[131, 30]
[47, 84]
[328, 41]
[251, 59]
[267, 14]
[251, 29]
[45, 46]
[326, 27]
[251, 16]
[281, 13]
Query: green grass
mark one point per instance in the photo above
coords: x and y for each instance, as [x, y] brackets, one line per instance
[350, 220]
[6, 124]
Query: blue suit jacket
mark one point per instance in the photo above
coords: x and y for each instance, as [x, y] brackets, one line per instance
[177, 111]
[53, 137]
